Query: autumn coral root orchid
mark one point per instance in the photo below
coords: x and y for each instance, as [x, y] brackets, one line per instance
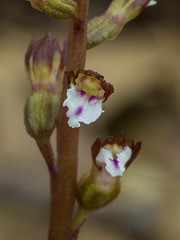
[115, 153]
[88, 90]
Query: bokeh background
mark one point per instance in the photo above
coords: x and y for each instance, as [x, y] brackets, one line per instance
[143, 64]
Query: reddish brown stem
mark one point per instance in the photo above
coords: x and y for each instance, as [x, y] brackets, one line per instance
[47, 152]
[63, 178]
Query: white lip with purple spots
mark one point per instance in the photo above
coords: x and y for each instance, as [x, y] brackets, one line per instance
[81, 108]
[115, 166]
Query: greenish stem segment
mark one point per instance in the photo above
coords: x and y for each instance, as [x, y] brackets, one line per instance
[79, 219]
[63, 178]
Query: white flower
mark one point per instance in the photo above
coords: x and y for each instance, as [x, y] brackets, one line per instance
[87, 92]
[115, 166]
[81, 108]
[151, 3]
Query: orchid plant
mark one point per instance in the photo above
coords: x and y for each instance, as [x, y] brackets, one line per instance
[63, 96]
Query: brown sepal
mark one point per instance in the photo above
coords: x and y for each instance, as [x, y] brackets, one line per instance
[107, 87]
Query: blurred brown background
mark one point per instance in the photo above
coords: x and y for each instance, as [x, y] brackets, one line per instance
[143, 64]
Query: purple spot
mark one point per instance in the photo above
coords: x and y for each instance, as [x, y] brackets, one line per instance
[53, 170]
[115, 162]
[91, 99]
[82, 93]
[125, 148]
[78, 111]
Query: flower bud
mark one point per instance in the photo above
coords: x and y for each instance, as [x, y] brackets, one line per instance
[111, 158]
[41, 111]
[88, 91]
[43, 64]
[110, 24]
[56, 8]
[97, 189]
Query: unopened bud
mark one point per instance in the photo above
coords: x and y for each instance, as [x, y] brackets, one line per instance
[97, 189]
[43, 62]
[56, 8]
[110, 24]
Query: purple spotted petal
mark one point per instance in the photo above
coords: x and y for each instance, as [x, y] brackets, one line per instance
[91, 99]
[78, 111]
[115, 162]
[82, 93]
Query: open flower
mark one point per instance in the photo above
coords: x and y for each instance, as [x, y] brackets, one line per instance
[102, 184]
[87, 92]
[115, 165]
[115, 154]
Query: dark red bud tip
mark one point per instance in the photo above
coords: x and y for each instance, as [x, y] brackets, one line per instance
[42, 50]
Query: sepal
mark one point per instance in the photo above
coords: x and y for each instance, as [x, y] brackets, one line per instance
[43, 64]
[97, 189]
[41, 112]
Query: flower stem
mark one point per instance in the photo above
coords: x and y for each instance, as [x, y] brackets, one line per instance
[45, 147]
[63, 181]
[79, 219]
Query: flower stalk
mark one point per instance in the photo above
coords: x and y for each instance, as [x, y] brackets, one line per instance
[63, 181]
[79, 219]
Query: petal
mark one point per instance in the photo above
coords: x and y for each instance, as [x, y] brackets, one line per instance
[123, 157]
[104, 155]
[113, 169]
[116, 167]
[151, 3]
[81, 108]
[91, 111]
[73, 101]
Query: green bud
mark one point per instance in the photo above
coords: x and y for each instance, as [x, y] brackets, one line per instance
[97, 189]
[110, 24]
[41, 112]
[56, 8]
